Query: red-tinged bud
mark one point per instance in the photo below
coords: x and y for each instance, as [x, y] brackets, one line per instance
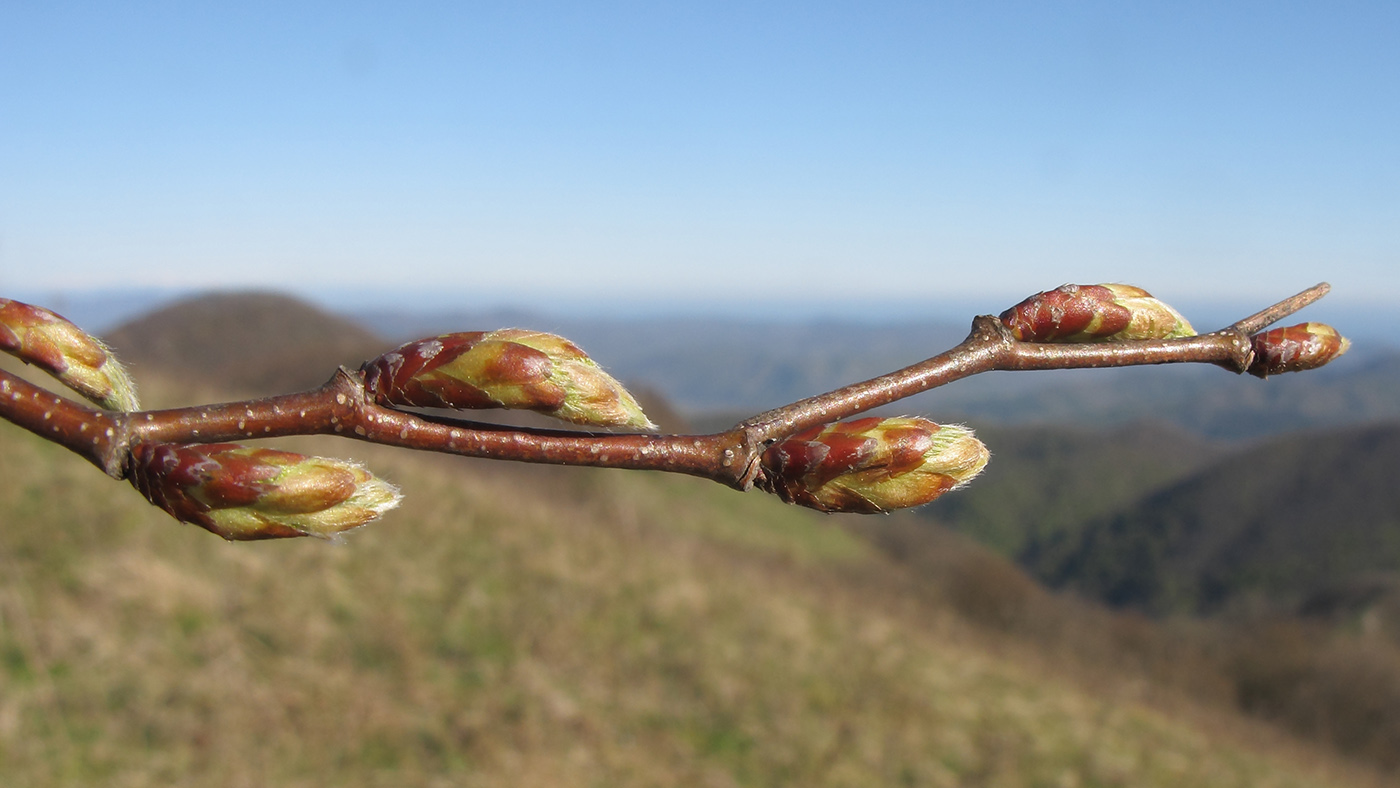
[243, 493]
[1296, 348]
[872, 465]
[508, 368]
[79, 361]
[1094, 313]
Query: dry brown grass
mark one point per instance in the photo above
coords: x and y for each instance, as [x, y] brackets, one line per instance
[1335, 688]
[544, 627]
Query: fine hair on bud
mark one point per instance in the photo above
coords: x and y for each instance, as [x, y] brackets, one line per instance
[1094, 313]
[243, 493]
[872, 465]
[75, 358]
[507, 368]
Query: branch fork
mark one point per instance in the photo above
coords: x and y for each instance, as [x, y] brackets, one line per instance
[798, 450]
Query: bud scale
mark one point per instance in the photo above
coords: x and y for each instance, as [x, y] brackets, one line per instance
[1295, 348]
[1094, 313]
[243, 493]
[507, 368]
[871, 465]
[78, 360]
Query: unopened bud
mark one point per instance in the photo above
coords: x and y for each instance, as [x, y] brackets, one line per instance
[872, 465]
[509, 368]
[1295, 348]
[243, 493]
[78, 360]
[1094, 313]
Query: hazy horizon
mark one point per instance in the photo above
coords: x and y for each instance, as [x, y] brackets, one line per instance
[1373, 323]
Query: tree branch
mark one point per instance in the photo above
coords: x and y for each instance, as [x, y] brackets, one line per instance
[343, 406]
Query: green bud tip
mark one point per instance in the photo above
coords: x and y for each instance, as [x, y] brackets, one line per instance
[872, 465]
[243, 493]
[78, 360]
[1094, 313]
[508, 368]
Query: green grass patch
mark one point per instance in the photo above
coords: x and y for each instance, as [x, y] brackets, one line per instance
[612, 629]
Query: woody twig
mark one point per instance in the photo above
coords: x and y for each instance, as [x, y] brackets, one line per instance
[181, 460]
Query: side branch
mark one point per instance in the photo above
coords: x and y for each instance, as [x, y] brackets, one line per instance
[990, 346]
[980, 352]
[1267, 317]
[361, 404]
[87, 432]
[1227, 347]
[340, 407]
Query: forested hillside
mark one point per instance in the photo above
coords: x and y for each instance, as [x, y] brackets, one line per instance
[1048, 482]
[1280, 521]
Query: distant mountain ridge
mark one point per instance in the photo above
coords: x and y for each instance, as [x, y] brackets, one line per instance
[743, 367]
[1155, 518]
[706, 365]
[253, 343]
[737, 367]
[1282, 521]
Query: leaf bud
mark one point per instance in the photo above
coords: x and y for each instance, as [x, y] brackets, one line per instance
[507, 368]
[871, 464]
[1094, 313]
[78, 360]
[1295, 348]
[244, 493]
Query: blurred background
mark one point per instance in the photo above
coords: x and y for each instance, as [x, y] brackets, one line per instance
[789, 158]
[1167, 576]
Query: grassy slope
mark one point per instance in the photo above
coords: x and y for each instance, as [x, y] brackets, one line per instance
[540, 628]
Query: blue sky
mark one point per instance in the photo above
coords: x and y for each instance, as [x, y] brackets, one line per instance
[548, 153]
